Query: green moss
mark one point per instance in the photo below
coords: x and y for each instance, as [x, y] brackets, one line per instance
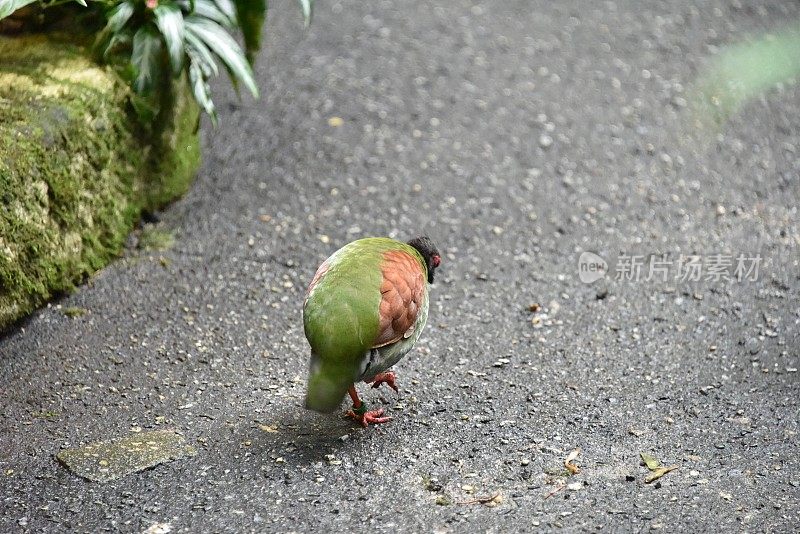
[74, 311]
[76, 169]
[155, 238]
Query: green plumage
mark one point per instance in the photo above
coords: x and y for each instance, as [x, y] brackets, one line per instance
[341, 317]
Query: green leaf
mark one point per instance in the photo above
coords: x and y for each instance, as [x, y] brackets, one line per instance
[650, 461]
[308, 9]
[81, 2]
[108, 38]
[146, 58]
[200, 52]
[209, 10]
[251, 15]
[169, 20]
[117, 40]
[7, 7]
[200, 88]
[119, 16]
[225, 47]
[227, 7]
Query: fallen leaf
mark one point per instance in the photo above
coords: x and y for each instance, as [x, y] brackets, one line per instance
[658, 473]
[655, 466]
[571, 467]
[651, 463]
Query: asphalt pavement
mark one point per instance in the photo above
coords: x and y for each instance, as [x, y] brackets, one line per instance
[518, 135]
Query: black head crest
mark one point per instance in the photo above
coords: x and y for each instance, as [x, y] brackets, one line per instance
[429, 253]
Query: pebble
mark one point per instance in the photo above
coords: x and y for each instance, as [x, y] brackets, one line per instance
[752, 346]
[545, 141]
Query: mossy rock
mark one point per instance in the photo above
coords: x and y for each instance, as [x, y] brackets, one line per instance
[76, 168]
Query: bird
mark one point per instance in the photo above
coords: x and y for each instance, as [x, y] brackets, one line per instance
[364, 310]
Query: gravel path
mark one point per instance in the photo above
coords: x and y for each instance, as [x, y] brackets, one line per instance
[518, 134]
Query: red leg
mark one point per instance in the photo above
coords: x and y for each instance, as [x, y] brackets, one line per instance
[360, 413]
[385, 378]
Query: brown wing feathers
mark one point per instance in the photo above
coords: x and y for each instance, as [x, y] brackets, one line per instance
[402, 291]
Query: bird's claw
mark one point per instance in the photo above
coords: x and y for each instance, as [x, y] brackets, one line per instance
[365, 418]
[385, 378]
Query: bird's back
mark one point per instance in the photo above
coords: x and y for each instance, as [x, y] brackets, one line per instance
[341, 316]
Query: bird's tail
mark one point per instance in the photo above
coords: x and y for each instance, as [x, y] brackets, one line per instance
[327, 385]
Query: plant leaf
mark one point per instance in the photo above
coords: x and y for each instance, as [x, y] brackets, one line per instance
[81, 2]
[119, 16]
[227, 7]
[200, 52]
[169, 20]
[251, 15]
[146, 58]
[650, 461]
[308, 10]
[659, 472]
[116, 40]
[226, 48]
[209, 10]
[200, 88]
[109, 37]
[7, 7]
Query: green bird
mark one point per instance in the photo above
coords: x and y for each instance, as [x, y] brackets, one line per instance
[364, 310]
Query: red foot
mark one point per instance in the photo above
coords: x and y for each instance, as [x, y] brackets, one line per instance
[385, 378]
[365, 418]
